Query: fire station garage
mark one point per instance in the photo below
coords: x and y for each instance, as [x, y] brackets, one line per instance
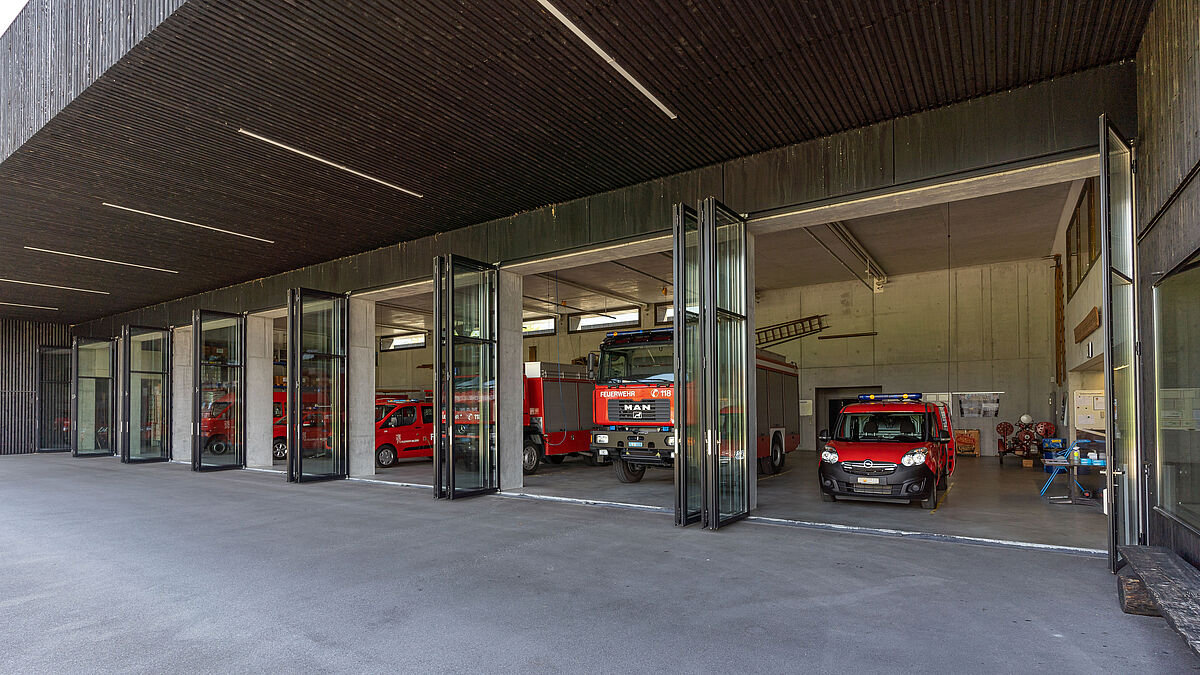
[951, 304]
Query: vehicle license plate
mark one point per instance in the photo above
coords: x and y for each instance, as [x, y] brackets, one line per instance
[635, 444]
[868, 481]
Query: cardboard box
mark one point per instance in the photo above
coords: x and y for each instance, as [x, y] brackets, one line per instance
[966, 442]
[1027, 463]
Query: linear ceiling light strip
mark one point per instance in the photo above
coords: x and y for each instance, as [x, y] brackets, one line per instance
[17, 304]
[322, 160]
[607, 59]
[105, 260]
[65, 288]
[187, 222]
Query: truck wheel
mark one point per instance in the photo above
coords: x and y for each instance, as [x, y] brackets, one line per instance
[216, 446]
[530, 459]
[555, 459]
[777, 458]
[626, 473]
[279, 448]
[385, 455]
[930, 502]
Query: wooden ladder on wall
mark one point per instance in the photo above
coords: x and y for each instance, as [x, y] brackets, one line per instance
[769, 336]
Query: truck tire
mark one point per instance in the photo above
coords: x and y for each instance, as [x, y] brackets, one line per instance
[279, 448]
[777, 458]
[626, 473]
[530, 459]
[216, 446]
[555, 459]
[385, 455]
[930, 501]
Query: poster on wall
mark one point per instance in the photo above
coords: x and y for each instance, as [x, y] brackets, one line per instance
[979, 405]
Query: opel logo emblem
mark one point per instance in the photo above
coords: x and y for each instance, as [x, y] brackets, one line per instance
[868, 464]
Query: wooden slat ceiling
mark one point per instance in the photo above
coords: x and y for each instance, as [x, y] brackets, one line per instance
[485, 108]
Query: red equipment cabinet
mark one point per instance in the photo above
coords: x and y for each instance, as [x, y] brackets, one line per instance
[557, 413]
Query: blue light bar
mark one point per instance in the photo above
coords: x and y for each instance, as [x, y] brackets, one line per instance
[889, 397]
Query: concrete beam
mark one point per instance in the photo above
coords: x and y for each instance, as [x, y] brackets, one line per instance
[510, 378]
[260, 391]
[360, 370]
[181, 394]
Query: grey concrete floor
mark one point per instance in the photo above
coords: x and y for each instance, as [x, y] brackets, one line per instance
[154, 568]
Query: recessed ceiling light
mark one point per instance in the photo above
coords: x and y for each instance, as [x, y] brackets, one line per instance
[186, 222]
[604, 55]
[65, 288]
[88, 257]
[322, 160]
[17, 304]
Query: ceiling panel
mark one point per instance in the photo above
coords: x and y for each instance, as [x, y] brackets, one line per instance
[486, 109]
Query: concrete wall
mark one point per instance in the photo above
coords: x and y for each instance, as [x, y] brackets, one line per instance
[259, 392]
[987, 328]
[182, 382]
[360, 368]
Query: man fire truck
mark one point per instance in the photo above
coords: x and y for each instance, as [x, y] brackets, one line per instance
[634, 407]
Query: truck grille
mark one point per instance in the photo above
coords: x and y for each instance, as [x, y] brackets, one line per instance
[875, 469]
[654, 410]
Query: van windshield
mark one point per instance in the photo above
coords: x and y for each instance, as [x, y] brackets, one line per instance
[875, 427]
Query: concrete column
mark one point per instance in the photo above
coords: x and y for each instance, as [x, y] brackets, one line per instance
[181, 394]
[259, 390]
[510, 379]
[360, 368]
[751, 387]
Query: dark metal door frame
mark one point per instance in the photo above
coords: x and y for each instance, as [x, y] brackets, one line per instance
[295, 323]
[126, 391]
[39, 402]
[443, 382]
[683, 218]
[112, 403]
[198, 318]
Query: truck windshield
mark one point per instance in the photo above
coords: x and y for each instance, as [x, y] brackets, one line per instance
[637, 363]
[900, 427]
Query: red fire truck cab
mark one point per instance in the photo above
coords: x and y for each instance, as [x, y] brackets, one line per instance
[634, 408]
[891, 447]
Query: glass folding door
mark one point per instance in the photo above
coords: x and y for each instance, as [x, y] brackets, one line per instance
[218, 393]
[316, 392]
[1120, 362]
[54, 399]
[146, 396]
[712, 476]
[689, 373]
[466, 461]
[93, 408]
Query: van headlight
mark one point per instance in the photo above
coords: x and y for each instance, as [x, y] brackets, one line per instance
[913, 457]
[602, 439]
[829, 454]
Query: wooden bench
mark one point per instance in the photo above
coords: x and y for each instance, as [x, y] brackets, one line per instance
[1157, 582]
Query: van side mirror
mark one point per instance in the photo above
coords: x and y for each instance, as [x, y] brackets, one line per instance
[942, 438]
[593, 364]
[824, 436]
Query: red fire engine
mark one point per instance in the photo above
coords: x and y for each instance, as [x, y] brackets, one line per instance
[634, 406]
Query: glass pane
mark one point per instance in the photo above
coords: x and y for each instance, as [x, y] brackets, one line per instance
[95, 359]
[1120, 205]
[1123, 438]
[219, 342]
[220, 414]
[147, 350]
[147, 403]
[473, 402]
[692, 432]
[1177, 327]
[730, 402]
[322, 451]
[471, 309]
[730, 263]
[321, 326]
[94, 430]
[54, 395]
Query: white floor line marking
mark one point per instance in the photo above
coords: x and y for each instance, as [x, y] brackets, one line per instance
[927, 535]
[377, 481]
[255, 468]
[585, 502]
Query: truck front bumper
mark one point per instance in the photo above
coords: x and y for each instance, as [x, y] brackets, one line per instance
[646, 448]
[905, 482]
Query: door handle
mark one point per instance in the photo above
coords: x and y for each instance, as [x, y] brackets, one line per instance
[1116, 472]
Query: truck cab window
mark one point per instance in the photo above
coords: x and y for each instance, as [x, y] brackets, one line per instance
[638, 363]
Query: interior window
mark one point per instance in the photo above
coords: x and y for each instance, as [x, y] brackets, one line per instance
[1177, 329]
[427, 414]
